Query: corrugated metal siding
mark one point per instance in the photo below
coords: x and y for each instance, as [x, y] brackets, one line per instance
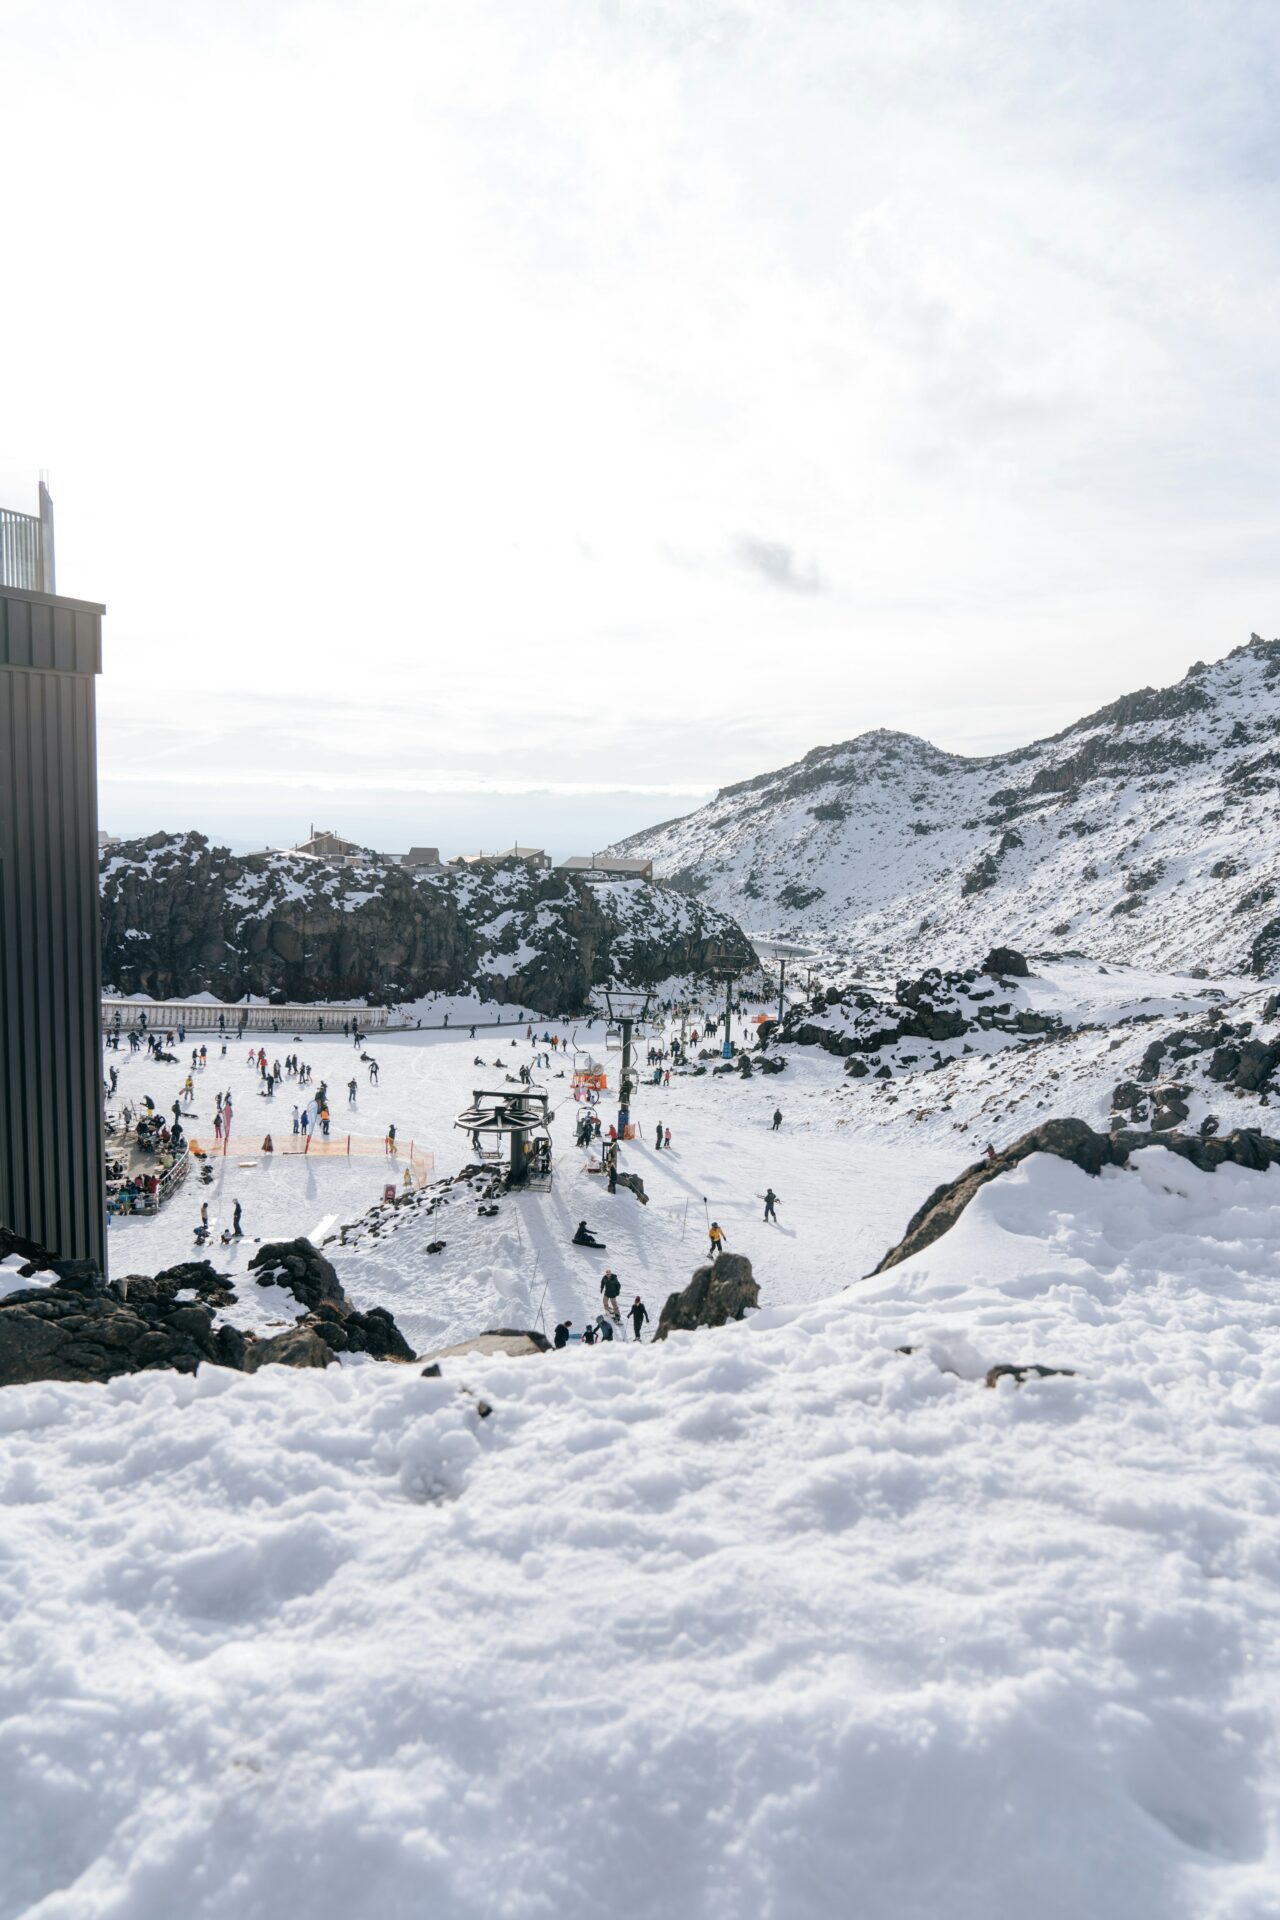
[50, 972]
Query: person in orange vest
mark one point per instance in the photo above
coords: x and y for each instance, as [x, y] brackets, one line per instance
[715, 1235]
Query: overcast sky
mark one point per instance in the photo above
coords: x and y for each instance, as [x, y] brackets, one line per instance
[486, 418]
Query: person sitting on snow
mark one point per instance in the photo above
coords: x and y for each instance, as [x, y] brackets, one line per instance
[584, 1236]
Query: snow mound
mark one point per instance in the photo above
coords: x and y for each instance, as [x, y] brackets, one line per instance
[776, 1620]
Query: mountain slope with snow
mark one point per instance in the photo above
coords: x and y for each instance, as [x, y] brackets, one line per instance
[1146, 832]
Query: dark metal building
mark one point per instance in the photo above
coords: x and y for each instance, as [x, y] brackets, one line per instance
[51, 1161]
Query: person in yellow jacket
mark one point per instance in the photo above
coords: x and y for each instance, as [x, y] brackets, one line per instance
[716, 1236]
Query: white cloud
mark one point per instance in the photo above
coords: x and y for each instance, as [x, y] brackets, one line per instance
[383, 357]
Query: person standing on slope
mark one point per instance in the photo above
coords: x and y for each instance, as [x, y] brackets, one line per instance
[610, 1288]
[715, 1236]
[639, 1314]
[777, 1118]
[770, 1201]
[658, 1141]
[561, 1336]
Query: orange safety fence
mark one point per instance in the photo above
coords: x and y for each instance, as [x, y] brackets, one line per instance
[338, 1146]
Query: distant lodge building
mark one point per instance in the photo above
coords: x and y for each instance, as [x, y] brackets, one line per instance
[531, 856]
[333, 850]
[603, 866]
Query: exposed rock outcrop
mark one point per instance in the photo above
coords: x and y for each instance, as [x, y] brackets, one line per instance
[1076, 1141]
[77, 1327]
[880, 1035]
[721, 1291]
[180, 916]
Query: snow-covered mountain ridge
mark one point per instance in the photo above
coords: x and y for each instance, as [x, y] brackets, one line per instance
[1145, 832]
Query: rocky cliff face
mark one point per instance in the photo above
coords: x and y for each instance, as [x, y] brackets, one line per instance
[1146, 832]
[180, 916]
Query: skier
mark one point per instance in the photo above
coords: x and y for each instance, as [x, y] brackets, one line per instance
[639, 1314]
[391, 1138]
[561, 1335]
[777, 1118]
[770, 1201]
[715, 1235]
[610, 1288]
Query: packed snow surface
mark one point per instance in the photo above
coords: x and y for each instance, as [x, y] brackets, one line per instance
[776, 1620]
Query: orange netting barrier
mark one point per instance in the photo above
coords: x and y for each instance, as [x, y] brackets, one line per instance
[338, 1146]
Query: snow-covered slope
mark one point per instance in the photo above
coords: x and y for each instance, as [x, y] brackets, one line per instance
[1146, 832]
[775, 1621]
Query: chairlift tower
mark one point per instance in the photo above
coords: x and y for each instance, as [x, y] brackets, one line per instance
[626, 1008]
[522, 1121]
[781, 951]
[720, 965]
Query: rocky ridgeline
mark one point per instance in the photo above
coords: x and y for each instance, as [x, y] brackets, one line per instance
[1146, 832]
[929, 1021]
[180, 916]
[76, 1326]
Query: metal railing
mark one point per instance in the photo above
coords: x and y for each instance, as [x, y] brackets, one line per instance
[21, 551]
[203, 1017]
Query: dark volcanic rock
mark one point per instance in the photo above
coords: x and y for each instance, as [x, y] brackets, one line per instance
[722, 1291]
[299, 1267]
[1007, 960]
[63, 1333]
[180, 916]
[81, 1328]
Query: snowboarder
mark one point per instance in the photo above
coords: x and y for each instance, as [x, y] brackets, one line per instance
[561, 1335]
[584, 1236]
[639, 1314]
[777, 1118]
[770, 1201]
[391, 1138]
[610, 1288]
